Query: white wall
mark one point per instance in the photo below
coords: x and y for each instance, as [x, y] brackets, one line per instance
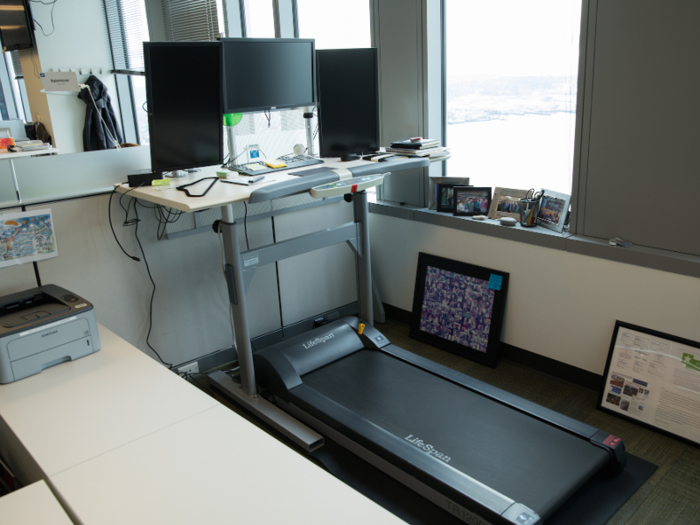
[560, 305]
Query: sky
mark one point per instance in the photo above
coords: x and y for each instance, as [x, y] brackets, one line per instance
[512, 37]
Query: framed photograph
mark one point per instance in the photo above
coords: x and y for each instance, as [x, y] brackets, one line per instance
[554, 207]
[506, 203]
[471, 201]
[653, 379]
[459, 307]
[445, 201]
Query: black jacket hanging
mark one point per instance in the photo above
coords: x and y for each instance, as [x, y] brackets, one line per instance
[96, 133]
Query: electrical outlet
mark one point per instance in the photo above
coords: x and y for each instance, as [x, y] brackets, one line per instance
[192, 368]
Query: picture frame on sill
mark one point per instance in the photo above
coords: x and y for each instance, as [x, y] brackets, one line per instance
[506, 203]
[445, 200]
[459, 307]
[554, 208]
[469, 201]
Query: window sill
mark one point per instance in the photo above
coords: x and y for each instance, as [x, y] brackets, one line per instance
[656, 259]
[538, 235]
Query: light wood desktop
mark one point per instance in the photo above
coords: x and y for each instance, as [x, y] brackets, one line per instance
[74, 412]
[221, 193]
[214, 467]
[32, 505]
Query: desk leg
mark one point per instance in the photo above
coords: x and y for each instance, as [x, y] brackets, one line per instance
[14, 179]
[232, 253]
[364, 267]
[246, 393]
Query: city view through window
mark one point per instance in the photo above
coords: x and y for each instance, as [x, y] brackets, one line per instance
[512, 69]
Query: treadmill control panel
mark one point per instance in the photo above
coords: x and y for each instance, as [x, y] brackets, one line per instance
[371, 337]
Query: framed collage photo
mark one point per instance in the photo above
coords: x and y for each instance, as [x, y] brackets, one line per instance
[459, 307]
[653, 379]
[469, 200]
[506, 203]
[554, 208]
[445, 200]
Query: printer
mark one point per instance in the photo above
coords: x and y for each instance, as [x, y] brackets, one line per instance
[43, 327]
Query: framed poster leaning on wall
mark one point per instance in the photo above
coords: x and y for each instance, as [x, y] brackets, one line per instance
[653, 379]
[459, 307]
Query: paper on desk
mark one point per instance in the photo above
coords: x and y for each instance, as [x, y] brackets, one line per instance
[27, 237]
[254, 167]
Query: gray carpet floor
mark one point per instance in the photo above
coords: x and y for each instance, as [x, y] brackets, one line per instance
[672, 493]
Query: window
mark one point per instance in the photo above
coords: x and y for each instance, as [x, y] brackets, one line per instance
[511, 69]
[17, 92]
[259, 19]
[128, 29]
[319, 19]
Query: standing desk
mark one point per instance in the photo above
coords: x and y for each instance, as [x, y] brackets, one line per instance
[240, 266]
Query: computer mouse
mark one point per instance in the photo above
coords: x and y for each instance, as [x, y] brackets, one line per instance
[349, 156]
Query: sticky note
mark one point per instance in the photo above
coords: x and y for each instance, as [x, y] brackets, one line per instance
[495, 282]
[160, 182]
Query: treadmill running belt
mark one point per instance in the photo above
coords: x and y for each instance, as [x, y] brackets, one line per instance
[521, 457]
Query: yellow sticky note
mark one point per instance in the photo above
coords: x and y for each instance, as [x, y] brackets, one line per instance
[160, 182]
[274, 164]
[255, 167]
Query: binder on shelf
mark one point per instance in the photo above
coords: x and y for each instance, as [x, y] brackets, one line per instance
[416, 144]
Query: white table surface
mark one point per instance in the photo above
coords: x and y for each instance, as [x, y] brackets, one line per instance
[214, 467]
[221, 193]
[9, 155]
[34, 504]
[78, 410]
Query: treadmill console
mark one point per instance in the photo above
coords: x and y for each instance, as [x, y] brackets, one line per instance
[342, 187]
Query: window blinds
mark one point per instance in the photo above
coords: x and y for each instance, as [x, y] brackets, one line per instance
[128, 29]
[184, 20]
[190, 20]
[14, 55]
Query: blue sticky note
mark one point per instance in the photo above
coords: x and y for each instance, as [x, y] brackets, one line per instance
[495, 282]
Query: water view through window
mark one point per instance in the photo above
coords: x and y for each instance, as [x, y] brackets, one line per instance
[512, 70]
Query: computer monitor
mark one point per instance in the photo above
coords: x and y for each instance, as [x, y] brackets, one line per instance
[348, 101]
[16, 26]
[183, 92]
[262, 74]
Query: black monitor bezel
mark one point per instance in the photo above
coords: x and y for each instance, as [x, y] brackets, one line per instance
[149, 96]
[257, 109]
[29, 22]
[324, 150]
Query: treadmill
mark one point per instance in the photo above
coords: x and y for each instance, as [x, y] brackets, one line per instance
[484, 455]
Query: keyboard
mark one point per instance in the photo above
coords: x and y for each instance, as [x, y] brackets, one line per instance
[292, 162]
